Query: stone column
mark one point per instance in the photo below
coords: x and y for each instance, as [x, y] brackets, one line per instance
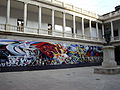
[8, 12]
[112, 32]
[39, 20]
[97, 30]
[90, 29]
[74, 27]
[108, 57]
[64, 23]
[53, 20]
[103, 30]
[52, 1]
[83, 29]
[25, 14]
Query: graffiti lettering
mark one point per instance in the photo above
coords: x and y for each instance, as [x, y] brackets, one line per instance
[33, 53]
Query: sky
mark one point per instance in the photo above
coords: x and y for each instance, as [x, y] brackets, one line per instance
[97, 6]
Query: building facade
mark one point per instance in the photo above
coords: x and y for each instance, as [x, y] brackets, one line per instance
[50, 32]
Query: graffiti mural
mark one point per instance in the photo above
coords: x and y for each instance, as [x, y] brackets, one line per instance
[33, 53]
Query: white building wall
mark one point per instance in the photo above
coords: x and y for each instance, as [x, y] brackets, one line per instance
[79, 28]
[58, 21]
[14, 15]
[46, 19]
[44, 26]
[94, 32]
[58, 24]
[69, 26]
[69, 23]
[32, 20]
[58, 28]
[3, 14]
[87, 32]
[100, 33]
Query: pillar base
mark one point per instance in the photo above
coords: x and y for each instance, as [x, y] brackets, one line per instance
[108, 57]
[102, 70]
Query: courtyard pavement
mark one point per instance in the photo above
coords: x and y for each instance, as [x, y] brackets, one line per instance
[81, 78]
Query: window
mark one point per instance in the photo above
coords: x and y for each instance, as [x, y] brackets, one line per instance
[115, 33]
[20, 25]
[49, 29]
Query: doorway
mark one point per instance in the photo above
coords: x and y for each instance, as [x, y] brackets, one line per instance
[117, 54]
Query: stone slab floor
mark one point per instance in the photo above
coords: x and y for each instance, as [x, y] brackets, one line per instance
[81, 78]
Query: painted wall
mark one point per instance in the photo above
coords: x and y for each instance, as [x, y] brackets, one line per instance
[32, 53]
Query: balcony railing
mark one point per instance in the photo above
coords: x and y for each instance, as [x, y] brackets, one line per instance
[116, 38]
[79, 36]
[2, 27]
[70, 7]
[31, 30]
[36, 31]
[109, 15]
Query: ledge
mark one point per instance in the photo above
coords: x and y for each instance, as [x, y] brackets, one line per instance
[101, 70]
[49, 37]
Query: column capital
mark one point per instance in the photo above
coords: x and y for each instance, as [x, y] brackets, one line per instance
[111, 21]
[90, 20]
[64, 12]
[53, 10]
[39, 6]
[83, 18]
[25, 2]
